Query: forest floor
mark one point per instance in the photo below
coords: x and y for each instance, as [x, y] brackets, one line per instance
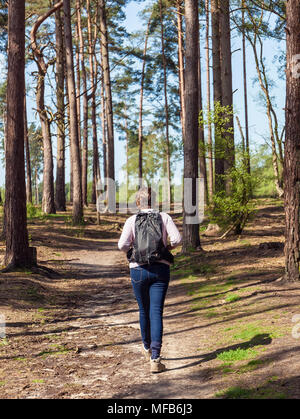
[227, 322]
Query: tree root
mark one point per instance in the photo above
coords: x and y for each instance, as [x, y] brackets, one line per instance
[37, 269]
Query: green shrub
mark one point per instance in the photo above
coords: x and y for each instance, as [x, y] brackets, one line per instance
[33, 211]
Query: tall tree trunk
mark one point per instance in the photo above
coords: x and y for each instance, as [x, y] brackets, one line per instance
[68, 135]
[217, 83]
[191, 238]
[247, 145]
[292, 145]
[181, 64]
[141, 104]
[209, 128]
[108, 100]
[84, 156]
[78, 78]
[48, 204]
[168, 152]
[74, 140]
[93, 99]
[227, 97]
[60, 193]
[103, 125]
[202, 151]
[37, 200]
[17, 246]
[127, 151]
[27, 155]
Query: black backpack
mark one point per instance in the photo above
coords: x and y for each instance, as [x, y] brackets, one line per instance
[148, 244]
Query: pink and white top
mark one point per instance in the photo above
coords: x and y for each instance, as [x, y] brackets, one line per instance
[169, 230]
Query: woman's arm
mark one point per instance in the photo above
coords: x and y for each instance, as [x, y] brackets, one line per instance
[126, 239]
[173, 233]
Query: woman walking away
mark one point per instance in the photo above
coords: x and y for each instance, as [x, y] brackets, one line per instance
[145, 239]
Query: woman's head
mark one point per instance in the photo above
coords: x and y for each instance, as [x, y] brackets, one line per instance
[145, 198]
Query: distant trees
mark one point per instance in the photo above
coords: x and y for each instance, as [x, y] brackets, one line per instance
[146, 88]
[254, 29]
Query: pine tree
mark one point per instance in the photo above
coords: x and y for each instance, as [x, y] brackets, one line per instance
[191, 238]
[292, 145]
[74, 139]
[18, 253]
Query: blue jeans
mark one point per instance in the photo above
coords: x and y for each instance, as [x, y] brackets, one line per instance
[150, 284]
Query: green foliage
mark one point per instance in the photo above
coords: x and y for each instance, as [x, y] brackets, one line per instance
[33, 211]
[232, 298]
[220, 117]
[262, 169]
[238, 354]
[234, 209]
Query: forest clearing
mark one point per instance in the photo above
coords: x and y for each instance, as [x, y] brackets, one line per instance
[228, 323]
[149, 200]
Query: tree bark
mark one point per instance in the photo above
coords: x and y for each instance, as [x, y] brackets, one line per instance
[127, 150]
[103, 126]
[292, 145]
[93, 107]
[209, 128]
[168, 153]
[84, 156]
[27, 155]
[181, 64]
[77, 213]
[217, 87]
[227, 96]
[202, 150]
[191, 238]
[78, 78]
[17, 246]
[108, 99]
[60, 193]
[247, 145]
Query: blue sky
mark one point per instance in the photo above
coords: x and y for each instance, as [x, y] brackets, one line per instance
[257, 117]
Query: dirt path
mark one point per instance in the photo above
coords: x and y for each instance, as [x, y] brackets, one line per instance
[119, 311]
[227, 322]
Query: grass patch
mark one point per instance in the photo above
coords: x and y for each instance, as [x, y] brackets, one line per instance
[231, 298]
[211, 314]
[57, 350]
[251, 366]
[244, 242]
[4, 342]
[238, 354]
[249, 331]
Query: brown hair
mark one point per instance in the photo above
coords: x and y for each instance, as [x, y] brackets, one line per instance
[143, 197]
